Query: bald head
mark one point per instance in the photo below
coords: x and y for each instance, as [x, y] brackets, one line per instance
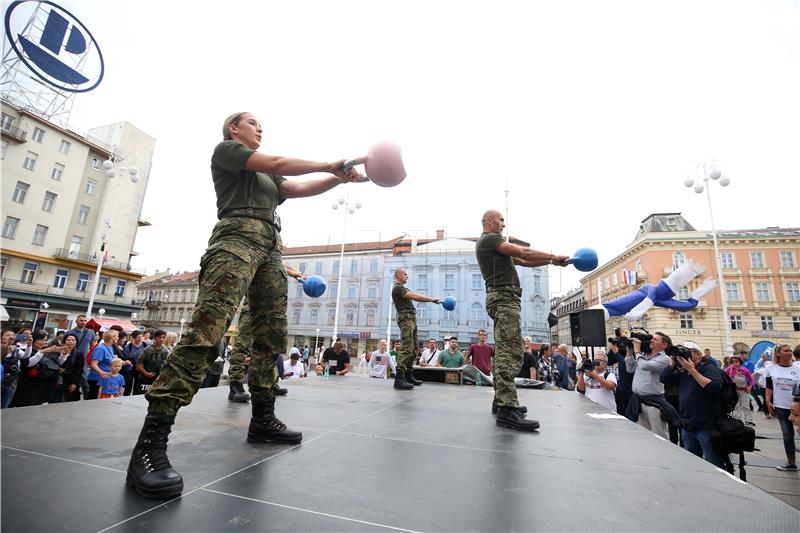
[490, 214]
[493, 221]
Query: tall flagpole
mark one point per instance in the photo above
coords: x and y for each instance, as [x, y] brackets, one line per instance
[508, 233]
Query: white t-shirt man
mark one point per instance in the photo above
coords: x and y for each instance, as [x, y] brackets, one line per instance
[429, 357]
[783, 379]
[599, 394]
[378, 363]
[293, 369]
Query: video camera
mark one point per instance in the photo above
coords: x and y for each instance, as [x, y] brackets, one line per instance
[679, 351]
[587, 365]
[639, 333]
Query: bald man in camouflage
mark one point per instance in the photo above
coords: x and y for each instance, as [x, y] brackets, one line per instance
[497, 259]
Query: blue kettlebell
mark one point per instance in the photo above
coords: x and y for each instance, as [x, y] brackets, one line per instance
[313, 286]
[449, 303]
[585, 259]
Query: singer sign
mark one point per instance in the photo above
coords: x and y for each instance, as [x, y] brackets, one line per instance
[54, 45]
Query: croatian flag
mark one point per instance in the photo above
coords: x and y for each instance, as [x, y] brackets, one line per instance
[629, 277]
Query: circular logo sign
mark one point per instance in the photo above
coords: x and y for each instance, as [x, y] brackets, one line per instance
[54, 45]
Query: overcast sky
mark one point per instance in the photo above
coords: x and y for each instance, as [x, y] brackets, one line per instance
[589, 113]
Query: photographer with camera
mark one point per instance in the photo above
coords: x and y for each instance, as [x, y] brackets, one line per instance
[699, 391]
[616, 351]
[597, 382]
[648, 402]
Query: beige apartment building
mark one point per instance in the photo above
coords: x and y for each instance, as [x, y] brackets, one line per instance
[57, 203]
[759, 268]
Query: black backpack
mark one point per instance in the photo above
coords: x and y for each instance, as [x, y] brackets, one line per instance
[730, 395]
[735, 437]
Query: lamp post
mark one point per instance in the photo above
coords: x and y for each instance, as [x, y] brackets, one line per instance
[316, 344]
[180, 334]
[111, 172]
[705, 171]
[351, 209]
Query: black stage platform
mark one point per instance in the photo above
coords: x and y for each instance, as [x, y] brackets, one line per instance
[372, 460]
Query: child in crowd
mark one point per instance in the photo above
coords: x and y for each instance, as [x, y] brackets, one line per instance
[114, 385]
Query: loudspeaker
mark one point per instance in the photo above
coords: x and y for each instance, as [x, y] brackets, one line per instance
[588, 327]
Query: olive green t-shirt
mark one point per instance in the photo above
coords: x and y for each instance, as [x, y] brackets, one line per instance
[238, 188]
[498, 270]
[398, 297]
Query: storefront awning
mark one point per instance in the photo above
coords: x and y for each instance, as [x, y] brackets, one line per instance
[98, 324]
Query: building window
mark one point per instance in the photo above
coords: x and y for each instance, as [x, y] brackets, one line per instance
[422, 282]
[538, 314]
[58, 171]
[373, 265]
[334, 290]
[354, 267]
[91, 187]
[762, 291]
[30, 160]
[370, 317]
[796, 323]
[449, 281]
[372, 291]
[736, 322]
[422, 312]
[677, 260]
[608, 282]
[732, 291]
[331, 316]
[102, 285]
[537, 283]
[39, 235]
[6, 122]
[351, 291]
[683, 293]
[302, 266]
[83, 280]
[756, 260]
[38, 135]
[476, 312]
[121, 285]
[477, 282]
[3, 148]
[298, 291]
[61, 278]
[349, 318]
[787, 260]
[335, 267]
[318, 268]
[10, 227]
[614, 279]
[49, 201]
[20, 192]
[29, 272]
[75, 245]
[727, 259]
[96, 163]
[296, 315]
[64, 147]
[687, 321]
[83, 215]
[793, 291]
[313, 316]
[766, 323]
[3, 262]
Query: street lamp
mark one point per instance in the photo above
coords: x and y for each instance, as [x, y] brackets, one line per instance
[111, 172]
[348, 209]
[180, 334]
[705, 171]
[316, 343]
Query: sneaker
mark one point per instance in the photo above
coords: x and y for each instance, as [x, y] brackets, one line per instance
[787, 467]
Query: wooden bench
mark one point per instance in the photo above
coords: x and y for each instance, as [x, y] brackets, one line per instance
[437, 374]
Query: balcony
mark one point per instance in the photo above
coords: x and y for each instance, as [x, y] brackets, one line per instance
[12, 132]
[92, 259]
[47, 289]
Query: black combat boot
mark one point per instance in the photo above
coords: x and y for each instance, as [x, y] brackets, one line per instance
[237, 393]
[279, 391]
[149, 470]
[400, 382]
[495, 407]
[514, 418]
[265, 426]
[411, 379]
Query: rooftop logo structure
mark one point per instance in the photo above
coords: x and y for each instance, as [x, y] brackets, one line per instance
[54, 45]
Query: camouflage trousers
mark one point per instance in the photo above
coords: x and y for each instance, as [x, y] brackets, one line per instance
[243, 258]
[243, 347]
[407, 322]
[504, 308]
